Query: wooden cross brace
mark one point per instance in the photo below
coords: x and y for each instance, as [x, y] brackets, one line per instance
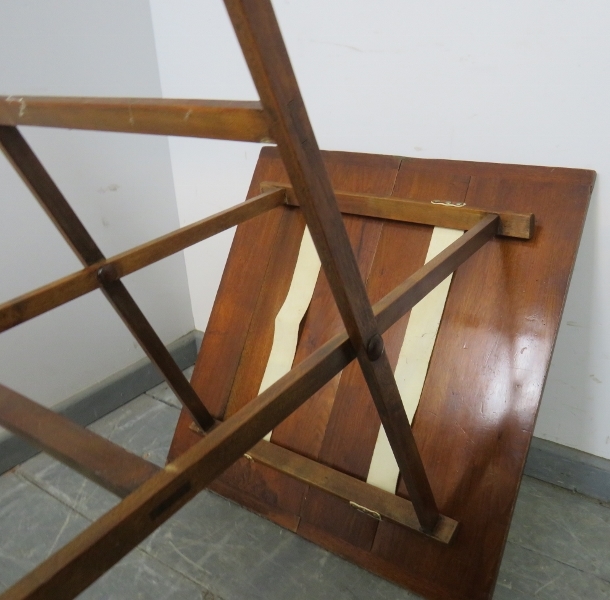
[151, 494]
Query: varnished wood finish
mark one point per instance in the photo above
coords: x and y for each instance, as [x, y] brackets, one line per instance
[484, 382]
[96, 458]
[60, 212]
[217, 119]
[483, 388]
[73, 286]
[476, 419]
[380, 504]
[264, 50]
[451, 214]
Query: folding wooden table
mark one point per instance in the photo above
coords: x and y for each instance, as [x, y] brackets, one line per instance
[440, 527]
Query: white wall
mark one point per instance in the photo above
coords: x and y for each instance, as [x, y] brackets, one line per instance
[199, 58]
[524, 81]
[120, 185]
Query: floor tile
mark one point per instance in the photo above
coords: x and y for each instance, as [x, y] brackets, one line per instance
[144, 426]
[236, 554]
[141, 576]
[563, 525]
[33, 525]
[164, 393]
[68, 486]
[528, 575]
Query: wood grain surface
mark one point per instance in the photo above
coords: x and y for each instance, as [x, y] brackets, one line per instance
[483, 388]
[216, 119]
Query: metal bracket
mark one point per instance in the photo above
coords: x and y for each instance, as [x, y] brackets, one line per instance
[367, 511]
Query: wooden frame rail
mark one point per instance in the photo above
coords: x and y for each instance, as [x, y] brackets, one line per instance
[52, 295]
[214, 119]
[437, 213]
[370, 500]
[80, 562]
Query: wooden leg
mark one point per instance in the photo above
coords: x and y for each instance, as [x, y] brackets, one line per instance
[60, 212]
[264, 50]
[96, 458]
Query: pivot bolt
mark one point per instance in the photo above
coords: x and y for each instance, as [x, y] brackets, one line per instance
[375, 348]
[107, 274]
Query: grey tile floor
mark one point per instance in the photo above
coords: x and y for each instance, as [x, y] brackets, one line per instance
[558, 547]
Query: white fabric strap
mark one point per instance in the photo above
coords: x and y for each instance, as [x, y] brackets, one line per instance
[413, 361]
[288, 320]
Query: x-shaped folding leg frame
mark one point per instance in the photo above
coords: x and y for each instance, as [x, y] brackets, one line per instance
[153, 494]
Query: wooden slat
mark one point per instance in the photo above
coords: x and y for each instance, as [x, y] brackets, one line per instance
[353, 428]
[98, 459]
[261, 41]
[240, 288]
[65, 219]
[73, 286]
[275, 285]
[360, 495]
[405, 296]
[105, 542]
[516, 225]
[322, 323]
[217, 119]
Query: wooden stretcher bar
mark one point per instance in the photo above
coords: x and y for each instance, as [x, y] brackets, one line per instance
[105, 542]
[372, 501]
[73, 286]
[98, 459]
[439, 213]
[215, 119]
